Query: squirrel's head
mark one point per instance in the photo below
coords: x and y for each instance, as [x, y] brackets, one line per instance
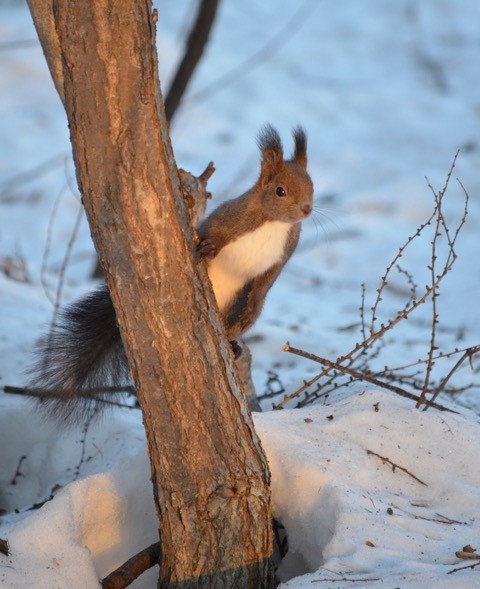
[285, 188]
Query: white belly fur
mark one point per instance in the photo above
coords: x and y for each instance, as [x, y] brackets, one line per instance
[248, 256]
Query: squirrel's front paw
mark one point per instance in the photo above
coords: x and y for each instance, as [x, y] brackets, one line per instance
[206, 249]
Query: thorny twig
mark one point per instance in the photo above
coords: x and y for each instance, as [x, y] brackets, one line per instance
[440, 356]
[274, 386]
[83, 443]
[467, 354]
[356, 362]
[432, 269]
[394, 466]
[470, 566]
[359, 376]
[411, 283]
[451, 257]
[363, 326]
[384, 283]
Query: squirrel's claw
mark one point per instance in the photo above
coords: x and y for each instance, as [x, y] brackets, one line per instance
[206, 249]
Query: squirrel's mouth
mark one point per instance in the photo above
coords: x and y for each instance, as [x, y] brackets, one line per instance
[306, 210]
[302, 212]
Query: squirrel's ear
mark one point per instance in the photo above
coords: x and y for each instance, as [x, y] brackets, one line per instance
[300, 153]
[271, 149]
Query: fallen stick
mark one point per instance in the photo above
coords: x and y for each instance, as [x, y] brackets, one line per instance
[394, 466]
[133, 568]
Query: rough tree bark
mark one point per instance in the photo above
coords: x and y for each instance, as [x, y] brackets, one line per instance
[210, 476]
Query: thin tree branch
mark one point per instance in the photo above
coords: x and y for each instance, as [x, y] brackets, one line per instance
[470, 566]
[432, 268]
[439, 356]
[18, 44]
[270, 48]
[63, 269]
[46, 251]
[92, 394]
[394, 466]
[357, 356]
[196, 43]
[467, 354]
[14, 182]
[133, 568]
[344, 580]
[358, 375]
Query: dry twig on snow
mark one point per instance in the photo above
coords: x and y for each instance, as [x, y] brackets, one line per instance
[394, 466]
[133, 568]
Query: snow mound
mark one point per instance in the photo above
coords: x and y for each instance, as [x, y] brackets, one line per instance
[349, 515]
[91, 527]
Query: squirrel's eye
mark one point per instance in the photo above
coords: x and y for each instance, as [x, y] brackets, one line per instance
[281, 191]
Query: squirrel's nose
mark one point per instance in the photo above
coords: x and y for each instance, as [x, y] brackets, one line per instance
[307, 209]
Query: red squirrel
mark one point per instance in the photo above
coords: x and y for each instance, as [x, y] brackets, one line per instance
[246, 242]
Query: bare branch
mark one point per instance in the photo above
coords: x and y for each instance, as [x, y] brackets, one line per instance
[432, 268]
[389, 268]
[467, 354]
[470, 566]
[63, 269]
[345, 579]
[15, 182]
[394, 466]
[265, 52]
[92, 394]
[133, 568]
[196, 43]
[356, 363]
[329, 365]
[362, 314]
[18, 44]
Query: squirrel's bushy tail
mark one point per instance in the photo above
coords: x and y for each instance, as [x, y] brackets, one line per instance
[82, 359]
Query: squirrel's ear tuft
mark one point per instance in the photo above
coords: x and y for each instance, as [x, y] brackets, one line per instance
[300, 153]
[269, 140]
[271, 148]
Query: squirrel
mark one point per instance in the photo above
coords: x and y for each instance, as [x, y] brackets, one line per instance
[245, 243]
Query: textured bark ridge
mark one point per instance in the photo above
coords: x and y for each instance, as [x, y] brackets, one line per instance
[209, 472]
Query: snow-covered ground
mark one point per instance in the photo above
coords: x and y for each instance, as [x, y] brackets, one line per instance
[388, 91]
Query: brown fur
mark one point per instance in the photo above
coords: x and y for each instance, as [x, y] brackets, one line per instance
[259, 205]
[86, 352]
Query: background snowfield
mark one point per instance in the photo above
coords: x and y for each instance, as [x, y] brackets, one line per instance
[388, 91]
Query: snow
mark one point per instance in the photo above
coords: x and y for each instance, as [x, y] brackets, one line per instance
[329, 493]
[332, 496]
[388, 91]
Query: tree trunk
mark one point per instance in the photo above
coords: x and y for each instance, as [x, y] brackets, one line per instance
[210, 476]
